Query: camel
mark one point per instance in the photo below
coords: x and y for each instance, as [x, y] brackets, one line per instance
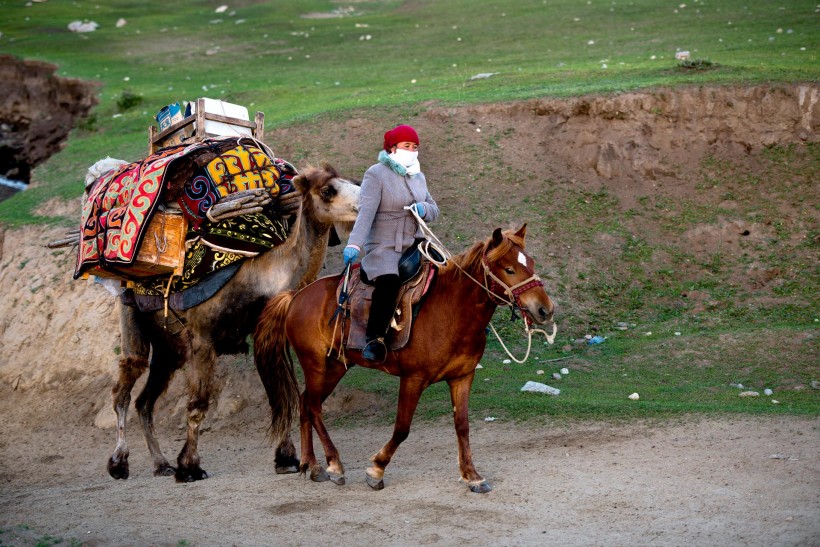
[220, 325]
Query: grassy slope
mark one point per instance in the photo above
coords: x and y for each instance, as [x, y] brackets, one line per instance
[265, 56]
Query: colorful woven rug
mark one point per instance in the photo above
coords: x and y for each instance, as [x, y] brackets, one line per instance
[119, 206]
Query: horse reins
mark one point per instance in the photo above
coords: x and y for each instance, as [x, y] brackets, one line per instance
[513, 292]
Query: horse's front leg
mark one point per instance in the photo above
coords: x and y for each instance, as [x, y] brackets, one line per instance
[410, 390]
[460, 396]
[200, 375]
[130, 369]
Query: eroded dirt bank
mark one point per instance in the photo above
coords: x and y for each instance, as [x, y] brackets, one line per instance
[37, 113]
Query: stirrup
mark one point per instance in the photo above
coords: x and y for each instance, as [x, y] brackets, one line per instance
[375, 350]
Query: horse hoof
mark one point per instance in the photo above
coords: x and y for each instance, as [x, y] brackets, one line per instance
[281, 470]
[337, 479]
[481, 488]
[190, 474]
[319, 475]
[164, 471]
[118, 470]
[373, 483]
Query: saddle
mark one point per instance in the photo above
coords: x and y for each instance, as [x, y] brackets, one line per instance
[416, 276]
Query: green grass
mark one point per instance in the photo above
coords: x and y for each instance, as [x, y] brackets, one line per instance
[674, 375]
[266, 56]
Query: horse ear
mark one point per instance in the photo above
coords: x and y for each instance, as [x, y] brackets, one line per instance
[522, 231]
[498, 237]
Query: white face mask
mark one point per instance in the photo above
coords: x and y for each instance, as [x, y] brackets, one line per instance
[405, 157]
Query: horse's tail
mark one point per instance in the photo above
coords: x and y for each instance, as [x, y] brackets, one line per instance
[271, 353]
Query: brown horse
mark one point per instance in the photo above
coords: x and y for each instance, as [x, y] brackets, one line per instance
[446, 343]
[220, 325]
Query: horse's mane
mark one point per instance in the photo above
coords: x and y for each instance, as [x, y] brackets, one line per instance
[470, 260]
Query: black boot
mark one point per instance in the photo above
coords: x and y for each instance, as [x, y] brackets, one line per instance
[382, 308]
[375, 350]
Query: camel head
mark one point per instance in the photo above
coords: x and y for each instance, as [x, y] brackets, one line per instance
[327, 197]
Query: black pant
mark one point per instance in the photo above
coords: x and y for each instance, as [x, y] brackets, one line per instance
[385, 296]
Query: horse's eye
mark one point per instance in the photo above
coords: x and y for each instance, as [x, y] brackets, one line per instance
[509, 271]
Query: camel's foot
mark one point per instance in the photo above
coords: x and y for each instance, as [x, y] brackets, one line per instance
[164, 470]
[118, 469]
[286, 464]
[190, 474]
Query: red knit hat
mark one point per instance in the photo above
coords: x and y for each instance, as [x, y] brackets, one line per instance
[400, 133]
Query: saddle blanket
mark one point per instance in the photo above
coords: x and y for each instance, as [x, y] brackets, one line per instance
[121, 203]
[360, 296]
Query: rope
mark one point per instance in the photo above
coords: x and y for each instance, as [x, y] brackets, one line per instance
[431, 239]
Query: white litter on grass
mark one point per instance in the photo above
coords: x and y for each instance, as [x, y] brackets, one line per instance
[221, 9]
[478, 366]
[767, 392]
[634, 397]
[83, 26]
[489, 419]
[564, 371]
[677, 333]
[506, 361]
[681, 55]
[750, 394]
[121, 23]
[483, 75]
[537, 387]
[539, 372]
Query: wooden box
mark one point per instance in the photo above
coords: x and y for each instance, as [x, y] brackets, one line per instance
[162, 251]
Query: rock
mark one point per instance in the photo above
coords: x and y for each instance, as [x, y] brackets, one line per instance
[767, 392]
[564, 371]
[556, 376]
[815, 384]
[634, 397]
[750, 394]
[539, 372]
[537, 387]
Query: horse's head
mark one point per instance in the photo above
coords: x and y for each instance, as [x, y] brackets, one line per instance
[510, 276]
[327, 197]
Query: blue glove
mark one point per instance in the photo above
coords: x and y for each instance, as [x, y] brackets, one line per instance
[350, 254]
[420, 209]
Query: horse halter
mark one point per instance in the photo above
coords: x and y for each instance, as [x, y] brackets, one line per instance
[513, 293]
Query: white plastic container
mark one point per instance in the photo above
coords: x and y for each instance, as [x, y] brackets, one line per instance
[230, 110]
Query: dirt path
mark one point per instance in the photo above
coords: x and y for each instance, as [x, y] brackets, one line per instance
[696, 482]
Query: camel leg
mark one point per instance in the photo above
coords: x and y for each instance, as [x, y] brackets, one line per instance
[159, 376]
[317, 389]
[200, 375]
[410, 390]
[285, 458]
[131, 368]
[460, 396]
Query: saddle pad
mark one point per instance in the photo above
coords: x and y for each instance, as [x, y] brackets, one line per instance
[360, 297]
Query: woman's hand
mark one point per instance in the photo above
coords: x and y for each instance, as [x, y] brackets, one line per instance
[350, 254]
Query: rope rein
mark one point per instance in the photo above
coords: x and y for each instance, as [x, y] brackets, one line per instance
[512, 292]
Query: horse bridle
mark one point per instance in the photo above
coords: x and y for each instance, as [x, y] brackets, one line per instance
[513, 292]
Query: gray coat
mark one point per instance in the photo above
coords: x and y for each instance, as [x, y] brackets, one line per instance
[383, 229]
